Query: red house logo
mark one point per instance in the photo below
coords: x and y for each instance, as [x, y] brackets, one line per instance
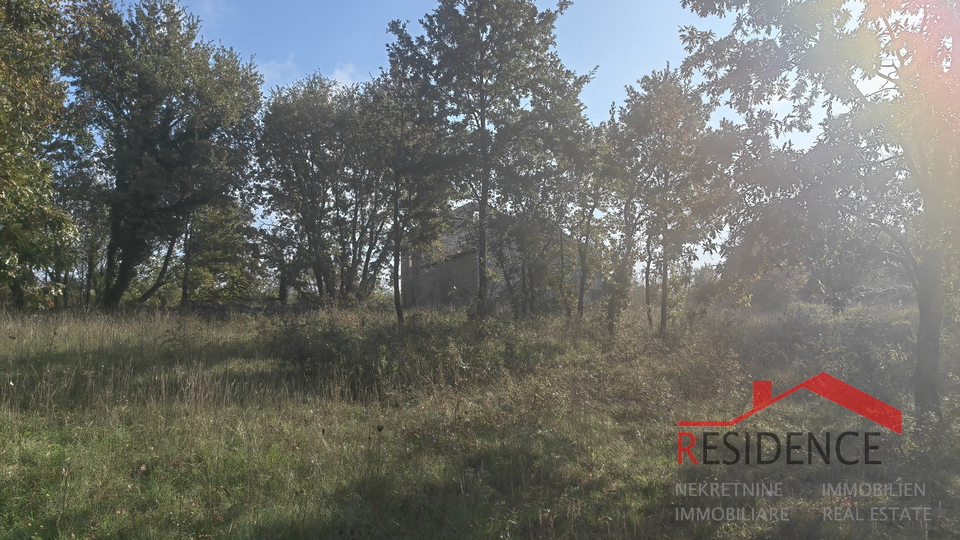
[825, 386]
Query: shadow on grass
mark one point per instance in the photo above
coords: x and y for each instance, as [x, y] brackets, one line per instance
[496, 492]
[504, 490]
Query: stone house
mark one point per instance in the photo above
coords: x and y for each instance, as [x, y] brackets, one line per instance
[445, 275]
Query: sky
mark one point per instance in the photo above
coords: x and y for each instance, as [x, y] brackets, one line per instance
[289, 40]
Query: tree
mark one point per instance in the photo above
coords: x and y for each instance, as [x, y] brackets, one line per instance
[616, 161]
[78, 192]
[175, 119]
[219, 261]
[281, 252]
[537, 175]
[887, 67]
[589, 199]
[34, 232]
[411, 131]
[682, 187]
[323, 176]
[487, 60]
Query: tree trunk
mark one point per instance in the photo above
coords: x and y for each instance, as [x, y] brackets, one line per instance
[397, 300]
[523, 289]
[187, 262]
[485, 179]
[482, 244]
[19, 296]
[88, 279]
[113, 292]
[283, 294]
[511, 290]
[624, 272]
[647, 297]
[531, 291]
[563, 277]
[163, 274]
[60, 278]
[664, 290]
[66, 290]
[926, 376]
[617, 301]
[110, 271]
[582, 251]
[319, 278]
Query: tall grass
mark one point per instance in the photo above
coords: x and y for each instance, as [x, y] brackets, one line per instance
[342, 425]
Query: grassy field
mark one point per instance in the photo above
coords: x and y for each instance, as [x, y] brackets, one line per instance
[340, 425]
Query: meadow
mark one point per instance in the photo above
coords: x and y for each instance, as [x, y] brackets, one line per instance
[344, 425]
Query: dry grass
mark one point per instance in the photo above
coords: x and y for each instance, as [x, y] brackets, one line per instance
[343, 426]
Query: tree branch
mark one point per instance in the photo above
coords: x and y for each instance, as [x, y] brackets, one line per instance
[910, 261]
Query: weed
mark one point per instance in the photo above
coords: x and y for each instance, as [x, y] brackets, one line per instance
[346, 425]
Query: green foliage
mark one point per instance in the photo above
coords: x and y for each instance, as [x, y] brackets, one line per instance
[674, 190]
[889, 147]
[412, 143]
[31, 96]
[324, 177]
[504, 90]
[34, 232]
[219, 261]
[684, 193]
[669, 176]
[175, 117]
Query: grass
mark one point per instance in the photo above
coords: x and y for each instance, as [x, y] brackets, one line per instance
[339, 425]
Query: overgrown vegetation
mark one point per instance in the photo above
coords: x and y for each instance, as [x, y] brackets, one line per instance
[156, 174]
[140, 166]
[342, 425]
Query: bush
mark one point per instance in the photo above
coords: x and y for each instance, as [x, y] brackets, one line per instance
[870, 347]
[371, 353]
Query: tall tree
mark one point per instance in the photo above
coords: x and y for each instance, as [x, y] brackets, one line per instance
[538, 172]
[487, 60]
[175, 118]
[412, 133]
[589, 200]
[617, 159]
[887, 66]
[683, 189]
[33, 231]
[323, 176]
[282, 253]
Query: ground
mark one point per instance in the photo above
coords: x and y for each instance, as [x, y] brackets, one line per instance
[342, 425]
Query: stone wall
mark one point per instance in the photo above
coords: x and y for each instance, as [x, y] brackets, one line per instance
[452, 282]
[446, 275]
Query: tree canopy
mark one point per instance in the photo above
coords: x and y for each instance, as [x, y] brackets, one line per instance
[886, 73]
[174, 117]
[33, 232]
[181, 182]
[324, 178]
[489, 62]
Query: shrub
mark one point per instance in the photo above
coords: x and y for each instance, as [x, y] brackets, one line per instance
[372, 353]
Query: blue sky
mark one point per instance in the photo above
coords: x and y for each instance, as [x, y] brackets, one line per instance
[347, 40]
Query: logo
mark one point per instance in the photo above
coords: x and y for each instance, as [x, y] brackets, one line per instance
[822, 384]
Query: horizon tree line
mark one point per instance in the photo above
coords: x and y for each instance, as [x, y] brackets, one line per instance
[148, 167]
